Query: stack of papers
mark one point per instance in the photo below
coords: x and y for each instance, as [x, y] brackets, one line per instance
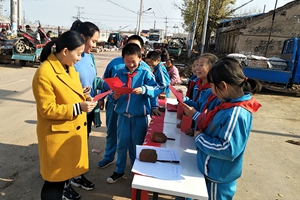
[160, 170]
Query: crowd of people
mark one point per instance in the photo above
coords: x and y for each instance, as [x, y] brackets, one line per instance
[219, 100]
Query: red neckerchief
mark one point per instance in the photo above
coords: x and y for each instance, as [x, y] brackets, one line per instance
[129, 80]
[200, 88]
[206, 117]
[190, 89]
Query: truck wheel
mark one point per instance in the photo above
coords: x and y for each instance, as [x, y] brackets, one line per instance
[20, 47]
[23, 62]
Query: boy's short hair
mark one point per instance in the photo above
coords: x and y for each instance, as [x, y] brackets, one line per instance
[131, 49]
[153, 55]
[137, 37]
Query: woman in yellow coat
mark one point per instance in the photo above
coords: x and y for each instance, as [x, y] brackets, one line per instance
[61, 115]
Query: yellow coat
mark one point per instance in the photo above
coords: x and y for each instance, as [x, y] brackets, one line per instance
[62, 138]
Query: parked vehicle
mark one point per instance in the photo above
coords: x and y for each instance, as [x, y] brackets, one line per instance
[114, 39]
[28, 47]
[175, 47]
[156, 36]
[283, 76]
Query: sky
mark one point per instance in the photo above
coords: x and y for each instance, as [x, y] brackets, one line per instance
[119, 14]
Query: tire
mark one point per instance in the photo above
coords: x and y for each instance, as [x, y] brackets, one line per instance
[23, 62]
[20, 47]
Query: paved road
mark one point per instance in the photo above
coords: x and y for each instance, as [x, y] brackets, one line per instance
[271, 166]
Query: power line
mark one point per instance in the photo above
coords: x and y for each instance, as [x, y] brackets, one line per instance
[121, 6]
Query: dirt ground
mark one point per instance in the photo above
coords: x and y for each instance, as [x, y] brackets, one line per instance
[271, 165]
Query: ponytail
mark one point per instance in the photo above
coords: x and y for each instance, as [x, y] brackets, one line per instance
[47, 50]
[252, 85]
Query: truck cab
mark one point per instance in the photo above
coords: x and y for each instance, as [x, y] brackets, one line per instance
[287, 76]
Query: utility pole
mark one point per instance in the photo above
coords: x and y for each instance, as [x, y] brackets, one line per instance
[205, 26]
[140, 18]
[13, 16]
[194, 30]
[78, 13]
[273, 18]
[166, 28]
[19, 13]
[154, 24]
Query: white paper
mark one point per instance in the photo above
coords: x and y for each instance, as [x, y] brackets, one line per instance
[162, 153]
[166, 171]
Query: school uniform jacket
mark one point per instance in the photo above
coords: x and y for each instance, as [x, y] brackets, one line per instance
[133, 104]
[221, 147]
[62, 137]
[112, 69]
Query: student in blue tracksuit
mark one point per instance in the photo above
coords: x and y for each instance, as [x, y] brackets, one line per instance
[111, 115]
[224, 131]
[133, 109]
[160, 72]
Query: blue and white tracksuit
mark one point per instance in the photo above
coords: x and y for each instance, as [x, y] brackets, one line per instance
[200, 103]
[163, 80]
[221, 149]
[133, 111]
[111, 115]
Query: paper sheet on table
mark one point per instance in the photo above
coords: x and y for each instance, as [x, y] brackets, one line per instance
[162, 153]
[100, 96]
[178, 95]
[166, 171]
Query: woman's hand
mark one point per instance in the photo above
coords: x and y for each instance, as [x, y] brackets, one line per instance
[189, 111]
[88, 106]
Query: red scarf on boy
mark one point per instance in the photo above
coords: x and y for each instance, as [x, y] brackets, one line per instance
[200, 88]
[206, 117]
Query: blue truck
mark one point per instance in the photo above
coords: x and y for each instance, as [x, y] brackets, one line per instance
[284, 77]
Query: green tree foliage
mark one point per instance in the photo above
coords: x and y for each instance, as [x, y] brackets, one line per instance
[219, 9]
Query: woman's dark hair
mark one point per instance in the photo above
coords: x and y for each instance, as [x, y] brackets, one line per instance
[131, 49]
[87, 29]
[69, 39]
[153, 55]
[137, 37]
[230, 71]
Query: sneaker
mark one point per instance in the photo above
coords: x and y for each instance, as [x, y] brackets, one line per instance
[70, 194]
[83, 183]
[105, 163]
[115, 177]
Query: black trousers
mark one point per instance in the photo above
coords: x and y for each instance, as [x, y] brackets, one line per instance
[53, 190]
[90, 120]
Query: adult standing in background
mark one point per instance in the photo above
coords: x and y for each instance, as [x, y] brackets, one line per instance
[61, 118]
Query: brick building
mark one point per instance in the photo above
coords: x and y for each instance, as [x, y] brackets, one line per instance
[250, 34]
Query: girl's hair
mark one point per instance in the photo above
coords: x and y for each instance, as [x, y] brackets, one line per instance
[230, 71]
[131, 49]
[212, 59]
[87, 29]
[69, 39]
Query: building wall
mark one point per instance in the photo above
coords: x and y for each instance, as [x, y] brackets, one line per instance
[253, 38]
